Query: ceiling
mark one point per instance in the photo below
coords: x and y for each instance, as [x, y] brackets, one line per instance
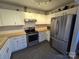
[45, 7]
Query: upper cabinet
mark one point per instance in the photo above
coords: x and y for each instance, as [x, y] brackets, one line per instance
[41, 19]
[77, 1]
[0, 19]
[9, 17]
[19, 18]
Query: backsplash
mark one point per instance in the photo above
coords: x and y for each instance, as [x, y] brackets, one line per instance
[7, 29]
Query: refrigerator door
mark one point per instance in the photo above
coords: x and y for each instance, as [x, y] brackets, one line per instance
[67, 28]
[61, 36]
[53, 27]
[62, 25]
[58, 26]
[59, 45]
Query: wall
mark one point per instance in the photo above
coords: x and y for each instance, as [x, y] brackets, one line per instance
[62, 7]
[11, 7]
[75, 38]
[8, 29]
[65, 12]
[77, 1]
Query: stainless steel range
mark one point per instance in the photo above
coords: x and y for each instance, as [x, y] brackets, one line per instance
[32, 37]
[32, 34]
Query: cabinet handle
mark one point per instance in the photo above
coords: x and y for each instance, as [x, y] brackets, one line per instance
[15, 23]
[17, 41]
[7, 50]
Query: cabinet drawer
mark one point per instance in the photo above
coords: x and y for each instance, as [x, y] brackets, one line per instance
[24, 45]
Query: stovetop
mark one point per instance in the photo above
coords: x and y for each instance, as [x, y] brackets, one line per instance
[31, 32]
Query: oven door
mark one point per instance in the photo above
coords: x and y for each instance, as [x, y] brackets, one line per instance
[32, 39]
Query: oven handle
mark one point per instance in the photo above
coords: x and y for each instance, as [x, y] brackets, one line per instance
[32, 34]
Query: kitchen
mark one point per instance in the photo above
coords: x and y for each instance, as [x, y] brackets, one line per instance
[37, 31]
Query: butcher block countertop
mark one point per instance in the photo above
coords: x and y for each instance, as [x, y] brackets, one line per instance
[5, 37]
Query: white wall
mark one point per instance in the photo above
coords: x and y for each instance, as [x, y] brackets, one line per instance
[77, 1]
[75, 39]
[62, 7]
[61, 13]
[11, 7]
[8, 29]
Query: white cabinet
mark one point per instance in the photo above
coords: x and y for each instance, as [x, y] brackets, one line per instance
[48, 35]
[0, 19]
[0, 22]
[19, 43]
[10, 17]
[19, 18]
[44, 36]
[0, 55]
[13, 44]
[5, 51]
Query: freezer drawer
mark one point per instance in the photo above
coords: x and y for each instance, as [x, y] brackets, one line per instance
[59, 45]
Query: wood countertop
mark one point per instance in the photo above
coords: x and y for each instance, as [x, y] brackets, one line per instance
[5, 37]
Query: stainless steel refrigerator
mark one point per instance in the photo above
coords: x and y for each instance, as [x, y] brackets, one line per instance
[61, 32]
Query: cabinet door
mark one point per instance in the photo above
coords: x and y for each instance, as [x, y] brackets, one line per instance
[0, 55]
[19, 43]
[48, 35]
[5, 51]
[9, 48]
[42, 36]
[4, 54]
[23, 41]
[12, 44]
[16, 44]
[8, 17]
[0, 19]
[19, 18]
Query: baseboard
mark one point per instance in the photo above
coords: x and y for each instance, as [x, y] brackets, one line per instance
[72, 54]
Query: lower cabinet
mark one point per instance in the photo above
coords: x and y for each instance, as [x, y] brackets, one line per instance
[5, 52]
[13, 44]
[44, 36]
[48, 35]
[19, 43]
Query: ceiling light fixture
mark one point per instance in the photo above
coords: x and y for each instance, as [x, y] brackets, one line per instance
[43, 2]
